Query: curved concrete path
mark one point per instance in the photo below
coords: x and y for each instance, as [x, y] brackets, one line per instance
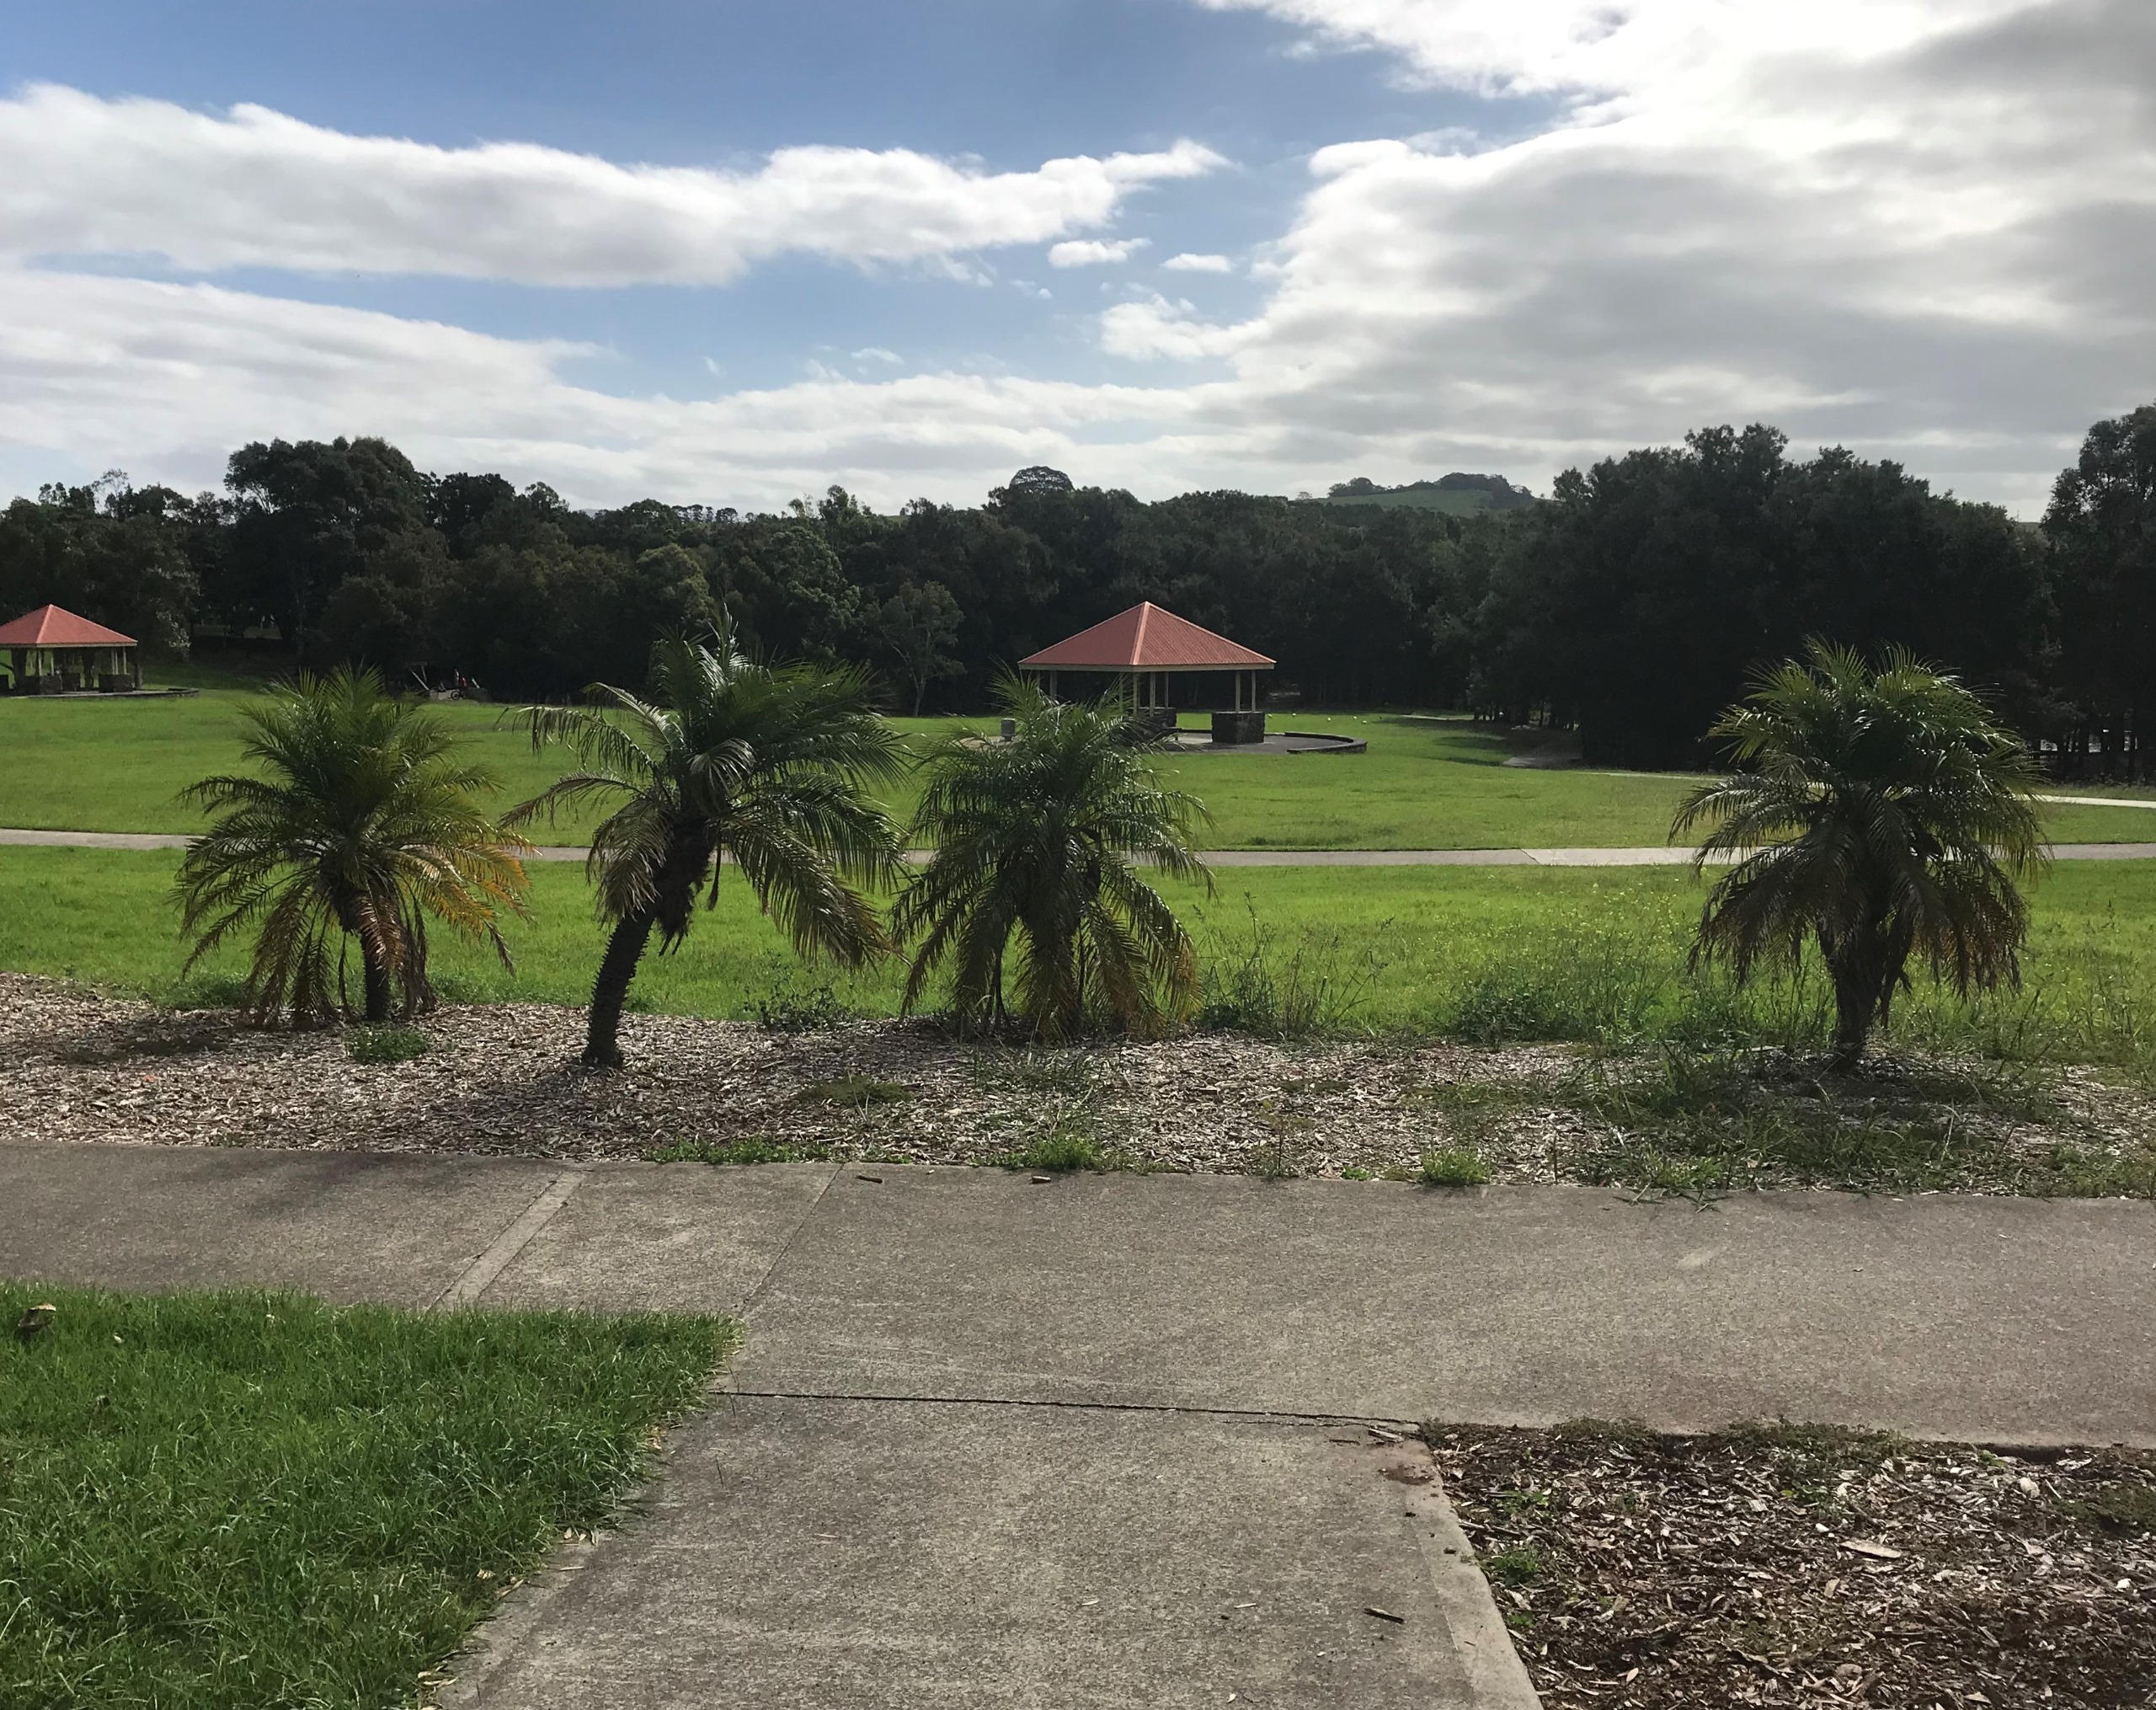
[1654, 856]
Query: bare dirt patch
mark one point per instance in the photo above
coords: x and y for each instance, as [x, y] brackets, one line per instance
[1792, 1567]
[505, 1079]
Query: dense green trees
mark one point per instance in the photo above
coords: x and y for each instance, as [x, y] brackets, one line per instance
[1633, 604]
[2102, 528]
[115, 552]
[1637, 602]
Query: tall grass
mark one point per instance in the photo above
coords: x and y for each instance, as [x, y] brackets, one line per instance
[210, 1502]
[2083, 1002]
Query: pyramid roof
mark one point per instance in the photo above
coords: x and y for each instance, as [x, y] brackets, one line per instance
[51, 626]
[1146, 638]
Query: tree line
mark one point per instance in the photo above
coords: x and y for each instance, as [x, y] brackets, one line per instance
[1634, 604]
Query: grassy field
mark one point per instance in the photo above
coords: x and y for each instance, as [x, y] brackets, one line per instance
[1425, 782]
[215, 1502]
[1494, 952]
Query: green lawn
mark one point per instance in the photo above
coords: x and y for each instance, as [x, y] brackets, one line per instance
[217, 1502]
[1488, 952]
[1425, 782]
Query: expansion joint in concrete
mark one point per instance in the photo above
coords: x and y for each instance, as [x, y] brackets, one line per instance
[778, 1254]
[480, 1273]
[1402, 1427]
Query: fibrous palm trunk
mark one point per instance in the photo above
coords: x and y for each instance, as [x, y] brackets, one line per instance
[377, 986]
[1862, 967]
[616, 968]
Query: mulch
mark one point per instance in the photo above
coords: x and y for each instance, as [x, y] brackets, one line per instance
[1786, 1566]
[79, 1064]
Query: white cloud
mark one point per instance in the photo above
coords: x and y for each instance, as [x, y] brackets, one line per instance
[1920, 227]
[80, 175]
[1152, 326]
[166, 380]
[876, 353]
[1608, 47]
[1089, 252]
[1187, 263]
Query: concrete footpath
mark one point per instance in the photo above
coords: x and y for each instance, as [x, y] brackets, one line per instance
[1113, 1438]
[1651, 856]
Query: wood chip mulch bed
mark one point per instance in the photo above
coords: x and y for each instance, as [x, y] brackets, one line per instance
[1789, 1566]
[77, 1064]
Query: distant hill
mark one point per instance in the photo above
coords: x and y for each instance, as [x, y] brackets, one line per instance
[1455, 494]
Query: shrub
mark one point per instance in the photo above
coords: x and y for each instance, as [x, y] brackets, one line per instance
[791, 1007]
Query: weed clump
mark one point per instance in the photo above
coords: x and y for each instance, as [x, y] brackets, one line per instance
[386, 1044]
[1315, 986]
[1059, 1153]
[1452, 1167]
[2118, 1507]
[748, 1149]
[1518, 1564]
[790, 1007]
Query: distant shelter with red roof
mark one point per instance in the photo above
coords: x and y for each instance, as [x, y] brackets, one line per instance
[1161, 665]
[51, 651]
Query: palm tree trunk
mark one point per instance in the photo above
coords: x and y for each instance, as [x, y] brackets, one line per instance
[1852, 1023]
[376, 980]
[616, 968]
[1858, 967]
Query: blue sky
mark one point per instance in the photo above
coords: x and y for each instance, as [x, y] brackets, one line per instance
[1501, 234]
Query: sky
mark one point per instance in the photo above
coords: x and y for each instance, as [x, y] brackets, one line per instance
[731, 252]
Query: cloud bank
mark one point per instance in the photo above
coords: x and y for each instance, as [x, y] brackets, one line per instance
[81, 176]
[1920, 227]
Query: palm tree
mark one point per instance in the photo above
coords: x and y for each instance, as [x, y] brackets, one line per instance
[359, 827]
[766, 765]
[1881, 815]
[1037, 837]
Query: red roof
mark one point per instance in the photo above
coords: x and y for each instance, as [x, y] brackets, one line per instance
[1145, 637]
[50, 626]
